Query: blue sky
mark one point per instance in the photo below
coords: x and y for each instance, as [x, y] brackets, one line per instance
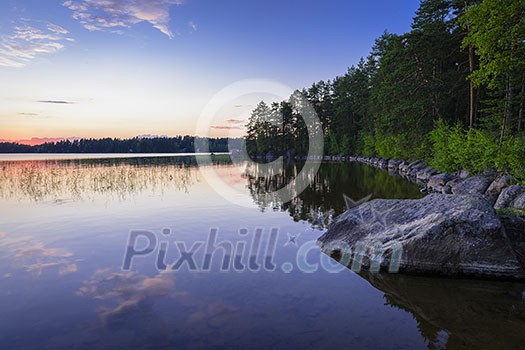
[94, 68]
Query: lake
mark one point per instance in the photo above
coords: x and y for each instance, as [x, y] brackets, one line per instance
[138, 252]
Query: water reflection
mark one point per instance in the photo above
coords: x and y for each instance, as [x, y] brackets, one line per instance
[458, 314]
[125, 292]
[323, 199]
[66, 180]
[63, 181]
[34, 256]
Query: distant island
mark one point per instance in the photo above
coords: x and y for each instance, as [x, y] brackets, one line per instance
[176, 144]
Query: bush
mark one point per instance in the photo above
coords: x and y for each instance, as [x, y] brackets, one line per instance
[454, 148]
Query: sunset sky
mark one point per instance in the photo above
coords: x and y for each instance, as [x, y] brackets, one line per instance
[110, 68]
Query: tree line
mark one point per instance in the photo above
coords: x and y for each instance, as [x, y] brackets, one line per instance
[177, 144]
[450, 91]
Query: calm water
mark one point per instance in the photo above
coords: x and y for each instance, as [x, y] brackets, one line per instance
[65, 229]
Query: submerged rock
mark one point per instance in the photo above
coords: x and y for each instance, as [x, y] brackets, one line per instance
[447, 235]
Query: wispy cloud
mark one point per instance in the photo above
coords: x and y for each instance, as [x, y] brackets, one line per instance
[235, 121]
[226, 127]
[127, 291]
[114, 15]
[28, 41]
[36, 257]
[58, 102]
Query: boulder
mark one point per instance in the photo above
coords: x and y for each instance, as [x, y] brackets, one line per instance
[425, 174]
[515, 229]
[447, 235]
[462, 174]
[519, 202]
[393, 164]
[508, 195]
[495, 188]
[475, 185]
[436, 183]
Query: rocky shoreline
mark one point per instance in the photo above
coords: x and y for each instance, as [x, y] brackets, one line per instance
[460, 229]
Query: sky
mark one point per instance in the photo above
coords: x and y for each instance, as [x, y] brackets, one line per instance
[124, 68]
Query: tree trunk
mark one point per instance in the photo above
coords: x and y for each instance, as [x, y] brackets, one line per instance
[508, 111]
[472, 92]
[522, 100]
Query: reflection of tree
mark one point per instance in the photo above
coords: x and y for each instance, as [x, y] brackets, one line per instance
[80, 179]
[323, 199]
[457, 314]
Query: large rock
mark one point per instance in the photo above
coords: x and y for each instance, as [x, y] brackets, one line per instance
[475, 185]
[515, 229]
[446, 235]
[508, 195]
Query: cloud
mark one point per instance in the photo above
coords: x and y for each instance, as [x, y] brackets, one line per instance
[60, 102]
[28, 41]
[127, 291]
[38, 140]
[226, 127]
[235, 121]
[114, 15]
[27, 114]
[34, 256]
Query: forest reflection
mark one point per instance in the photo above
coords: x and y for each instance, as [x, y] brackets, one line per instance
[320, 202]
[72, 180]
[452, 313]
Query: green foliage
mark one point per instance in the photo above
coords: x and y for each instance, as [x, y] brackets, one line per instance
[496, 30]
[410, 98]
[454, 148]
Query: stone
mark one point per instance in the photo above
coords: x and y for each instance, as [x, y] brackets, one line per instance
[519, 202]
[507, 195]
[495, 188]
[475, 185]
[437, 182]
[425, 174]
[393, 164]
[462, 174]
[445, 235]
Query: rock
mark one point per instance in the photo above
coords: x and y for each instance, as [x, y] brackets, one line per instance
[393, 164]
[462, 174]
[383, 164]
[475, 185]
[416, 163]
[437, 182]
[403, 167]
[519, 202]
[515, 229]
[425, 174]
[492, 193]
[447, 235]
[507, 195]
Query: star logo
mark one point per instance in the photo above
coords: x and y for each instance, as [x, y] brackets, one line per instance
[350, 203]
[292, 239]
